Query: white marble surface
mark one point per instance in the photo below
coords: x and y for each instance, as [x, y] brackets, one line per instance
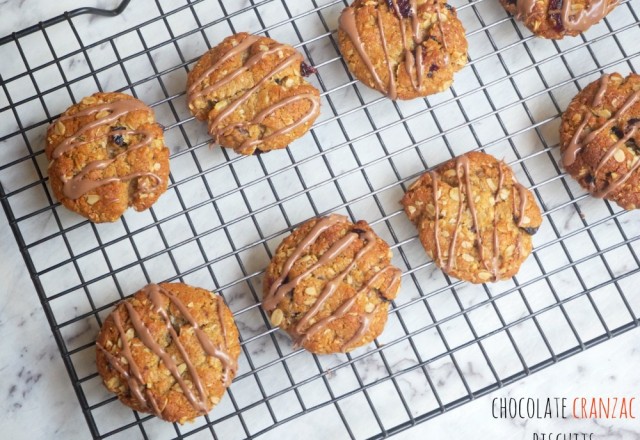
[39, 401]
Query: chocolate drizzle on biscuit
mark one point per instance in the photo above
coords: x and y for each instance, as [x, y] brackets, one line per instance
[348, 24]
[467, 201]
[436, 232]
[495, 260]
[581, 140]
[105, 114]
[217, 127]
[131, 371]
[524, 8]
[305, 328]
[413, 58]
[582, 20]
[133, 375]
[564, 17]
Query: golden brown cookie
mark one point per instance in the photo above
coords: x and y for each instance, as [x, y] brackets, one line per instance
[329, 285]
[600, 139]
[403, 48]
[252, 92]
[170, 350]
[557, 18]
[107, 153]
[472, 208]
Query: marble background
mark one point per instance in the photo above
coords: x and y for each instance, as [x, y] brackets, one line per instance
[39, 401]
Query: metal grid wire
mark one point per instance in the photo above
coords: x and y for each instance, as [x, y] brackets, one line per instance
[446, 342]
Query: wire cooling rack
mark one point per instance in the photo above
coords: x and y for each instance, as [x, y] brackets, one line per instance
[446, 342]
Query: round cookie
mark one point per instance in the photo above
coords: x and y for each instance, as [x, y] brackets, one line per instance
[472, 208]
[329, 285]
[600, 139]
[557, 18]
[107, 153]
[170, 350]
[252, 92]
[403, 48]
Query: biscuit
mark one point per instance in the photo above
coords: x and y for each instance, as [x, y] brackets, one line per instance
[600, 139]
[107, 153]
[252, 92]
[474, 219]
[556, 18]
[403, 48]
[170, 350]
[329, 285]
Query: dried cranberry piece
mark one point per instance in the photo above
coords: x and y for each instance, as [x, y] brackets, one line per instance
[307, 70]
[589, 179]
[118, 139]
[632, 145]
[530, 231]
[633, 121]
[556, 16]
[617, 131]
[404, 7]
[432, 68]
